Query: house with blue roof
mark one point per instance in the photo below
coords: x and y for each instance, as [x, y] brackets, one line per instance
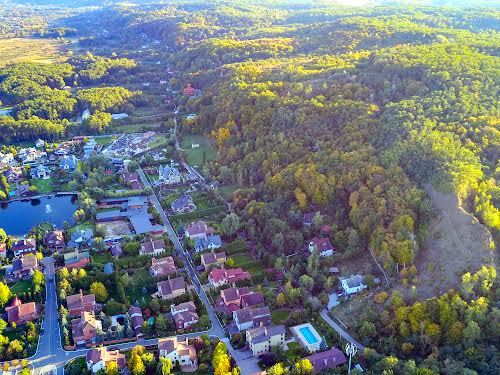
[183, 204]
[169, 175]
[69, 163]
[211, 242]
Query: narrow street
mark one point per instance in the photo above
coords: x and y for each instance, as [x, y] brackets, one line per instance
[346, 336]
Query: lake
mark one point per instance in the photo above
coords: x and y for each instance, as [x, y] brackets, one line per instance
[18, 217]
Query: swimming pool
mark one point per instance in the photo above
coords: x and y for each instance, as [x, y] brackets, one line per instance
[308, 335]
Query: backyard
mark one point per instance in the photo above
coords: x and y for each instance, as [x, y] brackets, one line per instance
[43, 186]
[21, 287]
[196, 156]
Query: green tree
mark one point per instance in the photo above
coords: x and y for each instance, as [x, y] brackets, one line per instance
[230, 224]
[100, 291]
[5, 294]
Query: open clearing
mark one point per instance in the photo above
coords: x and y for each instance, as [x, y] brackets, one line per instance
[456, 243]
[18, 50]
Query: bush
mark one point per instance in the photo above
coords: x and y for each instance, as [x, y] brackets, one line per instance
[381, 297]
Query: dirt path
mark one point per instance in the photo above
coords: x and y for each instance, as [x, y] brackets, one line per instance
[456, 243]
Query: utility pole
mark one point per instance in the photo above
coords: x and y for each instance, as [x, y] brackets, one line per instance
[351, 349]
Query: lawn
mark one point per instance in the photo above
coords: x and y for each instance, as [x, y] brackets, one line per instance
[101, 258]
[136, 128]
[196, 156]
[17, 50]
[43, 186]
[226, 191]
[104, 140]
[83, 226]
[21, 286]
[293, 352]
[251, 265]
[279, 316]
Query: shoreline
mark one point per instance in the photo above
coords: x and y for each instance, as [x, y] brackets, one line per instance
[39, 196]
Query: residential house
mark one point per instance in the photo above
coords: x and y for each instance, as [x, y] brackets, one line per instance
[183, 204]
[178, 351]
[24, 246]
[76, 259]
[132, 180]
[78, 303]
[118, 116]
[3, 250]
[24, 266]
[232, 299]
[152, 247]
[169, 175]
[85, 328]
[22, 190]
[69, 163]
[30, 156]
[261, 340]
[6, 159]
[211, 258]
[162, 267]
[40, 143]
[81, 238]
[41, 172]
[98, 358]
[54, 240]
[136, 320]
[13, 174]
[352, 284]
[220, 276]
[189, 90]
[322, 245]
[308, 218]
[198, 229]
[252, 317]
[328, 359]
[171, 288]
[211, 242]
[86, 114]
[116, 250]
[21, 313]
[184, 314]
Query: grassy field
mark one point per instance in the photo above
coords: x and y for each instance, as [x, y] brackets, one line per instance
[278, 316]
[227, 191]
[104, 140]
[136, 128]
[82, 226]
[43, 186]
[18, 50]
[21, 286]
[195, 156]
[249, 264]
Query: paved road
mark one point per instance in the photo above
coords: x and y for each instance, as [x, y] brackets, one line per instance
[340, 330]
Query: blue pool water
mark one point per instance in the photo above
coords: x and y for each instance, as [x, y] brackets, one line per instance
[308, 335]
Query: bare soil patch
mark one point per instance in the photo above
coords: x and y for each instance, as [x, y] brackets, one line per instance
[456, 243]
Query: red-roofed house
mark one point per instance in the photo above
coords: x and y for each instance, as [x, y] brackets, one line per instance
[54, 241]
[220, 276]
[98, 358]
[198, 229]
[162, 267]
[21, 313]
[3, 250]
[24, 246]
[79, 303]
[85, 328]
[189, 90]
[322, 245]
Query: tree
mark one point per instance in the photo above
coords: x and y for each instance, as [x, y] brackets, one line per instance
[136, 364]
[303, 367]
[280, 299]
[277, 369]
[99, 290]
[471, 333]
[3, 235]
[164, 366]
[5, 294]
[221, 360]
[112, 368]
[230, 224]
[306, 282]
[38, 279]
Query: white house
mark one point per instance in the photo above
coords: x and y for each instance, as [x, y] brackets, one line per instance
[169, 175]
[179, 352]
[98, 358]
[352, 284]
[86, 114]
[39, 143]
[41, 172]
[6, 159]
[322, 245]
[118, 116]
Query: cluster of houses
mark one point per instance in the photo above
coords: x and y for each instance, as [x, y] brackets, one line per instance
[203, 236]
[129, 145]
[171, 175]
[180, 352]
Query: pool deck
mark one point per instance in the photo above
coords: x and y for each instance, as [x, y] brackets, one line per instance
[304, 339]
